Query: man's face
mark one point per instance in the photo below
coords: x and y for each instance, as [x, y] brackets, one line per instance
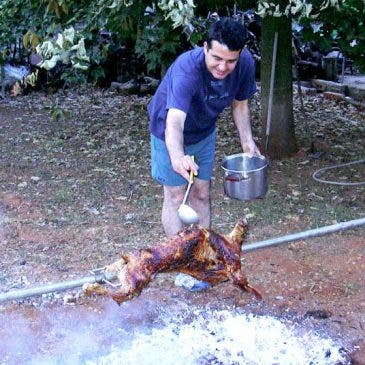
[220, 60]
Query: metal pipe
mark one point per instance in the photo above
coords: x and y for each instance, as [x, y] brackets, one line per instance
[304, 234]
[99, 275]
[271, 91]
[23, 293]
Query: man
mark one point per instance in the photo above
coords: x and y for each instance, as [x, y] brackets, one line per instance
[183, 114]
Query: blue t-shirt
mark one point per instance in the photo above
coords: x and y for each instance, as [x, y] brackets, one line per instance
[190, 87]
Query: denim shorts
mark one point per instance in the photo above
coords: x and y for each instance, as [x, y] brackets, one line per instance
[161, 168]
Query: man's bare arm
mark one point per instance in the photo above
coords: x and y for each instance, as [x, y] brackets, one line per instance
[174, 138]
[242, 118]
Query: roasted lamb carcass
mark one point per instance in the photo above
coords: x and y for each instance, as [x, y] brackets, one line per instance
[194, 250]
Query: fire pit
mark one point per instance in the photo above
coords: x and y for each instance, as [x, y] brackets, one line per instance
[151, 332]
[226, 337]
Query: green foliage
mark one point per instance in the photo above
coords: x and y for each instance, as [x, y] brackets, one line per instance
[157, 44]
[346, 26]
[339, 21]
[151, 32]
[28, 24]
[57, 113]
[64, 49]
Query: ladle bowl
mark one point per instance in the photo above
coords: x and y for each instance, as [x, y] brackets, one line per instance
[187, 214]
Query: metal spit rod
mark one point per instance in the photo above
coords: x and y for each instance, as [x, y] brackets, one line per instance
[304, 234]
[99, 275]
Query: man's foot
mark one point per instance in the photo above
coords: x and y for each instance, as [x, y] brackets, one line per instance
[190, 283]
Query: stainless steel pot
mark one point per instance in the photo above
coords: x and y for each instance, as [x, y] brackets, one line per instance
[245, 177]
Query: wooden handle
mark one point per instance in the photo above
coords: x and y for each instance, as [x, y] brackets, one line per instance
[191, 175]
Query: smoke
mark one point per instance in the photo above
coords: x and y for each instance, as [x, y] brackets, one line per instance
[63, 335]
[143, 332]
[15, 338]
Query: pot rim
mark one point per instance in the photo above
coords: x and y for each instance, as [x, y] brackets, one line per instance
[230, 157]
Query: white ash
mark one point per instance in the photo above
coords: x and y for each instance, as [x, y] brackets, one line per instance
[224, 337]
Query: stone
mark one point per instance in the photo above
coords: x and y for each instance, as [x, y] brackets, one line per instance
[330, 95]
[357, 92]
[358, 356]
[126, 88]
[318, 314]
[307, 90]
[324, 85]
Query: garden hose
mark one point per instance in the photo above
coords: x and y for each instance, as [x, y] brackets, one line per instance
[315, 175]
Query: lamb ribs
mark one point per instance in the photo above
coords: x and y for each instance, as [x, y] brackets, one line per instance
[194, 250]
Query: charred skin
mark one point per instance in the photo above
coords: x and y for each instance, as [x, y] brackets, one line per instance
[194, 250]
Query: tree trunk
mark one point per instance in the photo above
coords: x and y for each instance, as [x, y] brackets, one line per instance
[281, 141]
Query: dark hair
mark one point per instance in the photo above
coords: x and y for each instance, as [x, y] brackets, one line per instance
[229, 32]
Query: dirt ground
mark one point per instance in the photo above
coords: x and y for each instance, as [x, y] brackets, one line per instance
[75, 191]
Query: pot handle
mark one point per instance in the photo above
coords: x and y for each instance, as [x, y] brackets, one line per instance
[235, 178]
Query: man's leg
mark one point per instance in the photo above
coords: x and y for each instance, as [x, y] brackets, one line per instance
[175, 185]
[173, 196]
[199, 200]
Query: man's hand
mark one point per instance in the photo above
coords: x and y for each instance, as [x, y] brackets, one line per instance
[251, 149]
[183, 165]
